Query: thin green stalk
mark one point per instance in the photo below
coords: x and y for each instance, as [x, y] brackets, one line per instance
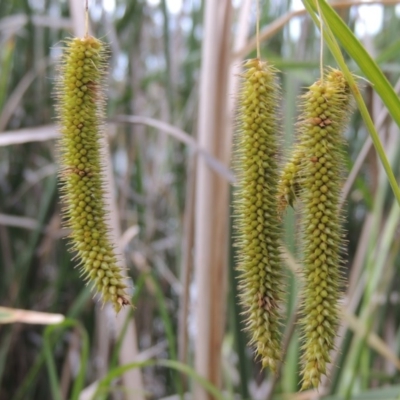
[385, 393]
[167, 324]
[138, 290]
[375, 270]
[23, 261]
[117, 348]
[169, 331]
[175, 365]
[6, 64]
[51, 366]
[52, 371]
[25, 258]
[4, 348]
[80, 378]
[31, 377]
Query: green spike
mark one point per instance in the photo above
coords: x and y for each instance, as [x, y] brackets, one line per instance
[80, 109]
[255, 209]
[326, 109]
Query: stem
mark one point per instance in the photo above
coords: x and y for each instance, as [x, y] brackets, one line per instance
[321, 49]
[258, 28]
[86, 18]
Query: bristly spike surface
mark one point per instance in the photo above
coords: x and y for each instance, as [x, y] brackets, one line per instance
[80, 110]
[255, 208]
[326, 109]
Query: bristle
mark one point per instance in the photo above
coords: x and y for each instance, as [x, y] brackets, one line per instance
[255, 209]
[80, 109]
[326, 108]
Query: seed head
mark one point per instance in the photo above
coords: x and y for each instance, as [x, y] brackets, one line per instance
[289, 182]
[255, 208]
[326, 109]
[80, 109]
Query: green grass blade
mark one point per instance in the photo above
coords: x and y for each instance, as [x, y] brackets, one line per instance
[138, 290]
[51, 366]
[117, 348]
[169, 331]
[31, 377]
[6, 57]
[175, 365]
[80, 378]
[4, 347]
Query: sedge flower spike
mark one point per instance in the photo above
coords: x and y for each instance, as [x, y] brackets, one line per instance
[80, 111]
[255, 208]
[326, 108]
[289, 182]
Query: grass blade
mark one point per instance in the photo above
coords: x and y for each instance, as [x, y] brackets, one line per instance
[176, 365]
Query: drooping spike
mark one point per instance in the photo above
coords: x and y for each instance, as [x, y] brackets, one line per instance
[289, 182]
[326, 109]
[80, 111]
[255, 208]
